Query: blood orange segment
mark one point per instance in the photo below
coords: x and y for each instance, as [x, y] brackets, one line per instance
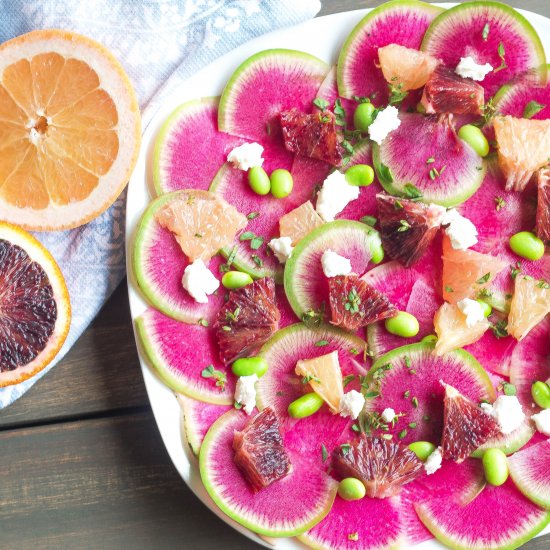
[35, 311]
[543, 205]
[75, 130]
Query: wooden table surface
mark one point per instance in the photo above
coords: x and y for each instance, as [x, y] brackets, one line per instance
[82, 462]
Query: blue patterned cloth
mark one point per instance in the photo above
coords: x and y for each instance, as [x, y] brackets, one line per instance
[160, 43]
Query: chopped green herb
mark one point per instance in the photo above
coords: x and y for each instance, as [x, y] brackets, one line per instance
[407, 360]
[198, 235]
[219, 376]
[347, 146]
[353, 301]
[237, 405]
[368, 220]
[499, 203]
[402, 434]
[515, 270]
[233, 316]
[398, 205]
[372, 394]
[412, 425]
[397, 94]
[225, 328]
[354, 351]
[246, 236]
[203, 323]
[412, 371]
[411, 191]
[348, 379]
[346, 448]
[448, 288]
[414, 402]
[385, 174]
[484, 279]
[405, 226]
[355, 428]
[256, 242]
[499, 329]
[407, 394]
[509, 389]
[501, 54]
[253, 215]
[543, 284]
[484, 293]
[312, 318]
[353, 536]
[485, 32]
[339, 113]
[320, 103]
[431, 160]
[324, 453]
[321, 343]
[426, 418]
[532, 108]
[432, 174]
[309, 378]
[257, 260]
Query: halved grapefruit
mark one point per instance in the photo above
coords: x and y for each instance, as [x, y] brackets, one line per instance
[70, 131]
[35, 311]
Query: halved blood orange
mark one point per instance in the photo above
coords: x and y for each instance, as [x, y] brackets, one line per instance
[70, 131]
[35, 311]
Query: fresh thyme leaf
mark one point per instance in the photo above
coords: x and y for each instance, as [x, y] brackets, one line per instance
[397, 94]
[309, 378]
[348, 379]
[233, 315]
[353, 536]
[384, 174]
[407, 394]
[348, 147]
[324, 453]
[499, 329]
[484, 279]
[431, 160]
[225, 328]
[368, 220]
[353, 301]
[405, 226]
[543, 284]
[411, 191]
[237, 405]
[198, 235]
[508, 389]
[253, 215]
[484, 293]
[247, 236]
[371, 394]
[432, 174]
[499, 203]
[219, 376]
[313, 318]
[501, 54]
[257, 260]
[339, 113]
[532, 108]
[320, 103]
[346, 448]
[321, 343]
[414, 402]
[402, 434]
[256, 242]
[355, 428]
[485, 32]
[515, 270]
[448, 288]
[203, 323]
[412, 425]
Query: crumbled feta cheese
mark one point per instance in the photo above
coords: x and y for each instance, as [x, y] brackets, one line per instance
[386, 121]
[388, 415]
[472, 310]
[461, 230]
[507, 412]
[433, 462]
[468, 68]
[334, 196]
[334, 264]
[542, 421]
[199, 281]
[352, 404]
[246, 156]
[282, 248]
[245, 392]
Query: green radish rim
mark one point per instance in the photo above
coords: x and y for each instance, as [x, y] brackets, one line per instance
[358, 29]
[228, 97]
[150, 350]
[204, 466]
[505, 89]
[528, 29]
[165, 130]
[510, 443]
[292, 265]
[191, 435]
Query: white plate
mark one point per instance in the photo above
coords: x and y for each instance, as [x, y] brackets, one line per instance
[321, 37]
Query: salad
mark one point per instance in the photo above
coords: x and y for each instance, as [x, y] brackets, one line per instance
[349, 285]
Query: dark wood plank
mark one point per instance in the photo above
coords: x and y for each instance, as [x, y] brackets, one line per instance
[105, 483]
[100, 373]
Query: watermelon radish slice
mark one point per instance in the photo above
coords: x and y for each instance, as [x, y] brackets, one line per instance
[460, 32]
[416, 373]
[197, 419]
[498, 518]
[514, 99]
[367, 523]
[264, 85]
[426, 152]
[189, 138]
[529, 469]
[401, 22]
[286, 508]
[165, 343]
[159, 264]
[232, 185]
[305, 283]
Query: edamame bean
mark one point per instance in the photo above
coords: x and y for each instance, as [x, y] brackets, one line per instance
[474, 137]
[403, 324]
[247, 366]
[430, 339]
[259, 180]
[360, 175]
[487, 309]
[527, 245]
[351, 489]
[540, 392]
[422, 449]
[306, 405]
[362, 117]
[233, 280]
[281, 183]
[495, 466]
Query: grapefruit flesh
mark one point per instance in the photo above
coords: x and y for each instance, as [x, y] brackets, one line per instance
[299, 222]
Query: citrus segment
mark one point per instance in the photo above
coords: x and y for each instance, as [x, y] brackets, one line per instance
[299, 222]
[72, 129]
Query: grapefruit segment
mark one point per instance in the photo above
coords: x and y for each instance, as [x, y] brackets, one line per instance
[299, 222]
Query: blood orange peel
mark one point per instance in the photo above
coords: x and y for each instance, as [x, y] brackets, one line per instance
[35, 310]
[75, 125]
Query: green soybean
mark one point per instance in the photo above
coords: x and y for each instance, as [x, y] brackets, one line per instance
[495, 466]
[281, 183]
[247, 366]
[429, 339]
[259, 180]
[403, 324]
[474, 137]
[422, 449]
[362, 117]
[360, 175]
[233, 280]
[487, 309]
[306, 405]
[540, 392]
[527, 245]
[351, 488]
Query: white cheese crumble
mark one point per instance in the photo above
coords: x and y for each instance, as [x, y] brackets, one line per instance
[245, 392]
[507, 411]
[388, 415]
[386, 121]
[334, 264]
[199, 281]
[461, 230]
[468, 68]
[542, 421]
[334, 196]
[472, 310]
[352, 404]
[246, 156]
[282, 248]
[433, 462]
